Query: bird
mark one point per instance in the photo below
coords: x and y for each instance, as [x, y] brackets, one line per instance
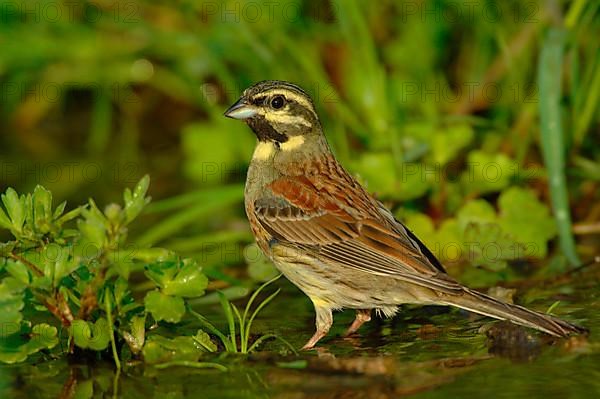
[331, 238]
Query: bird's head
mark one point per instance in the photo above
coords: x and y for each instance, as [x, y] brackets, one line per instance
[281, 114]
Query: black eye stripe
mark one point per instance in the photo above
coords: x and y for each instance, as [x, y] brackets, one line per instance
[264, 131]
[259, 100]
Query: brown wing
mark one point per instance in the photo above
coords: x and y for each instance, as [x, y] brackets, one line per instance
[348, 227]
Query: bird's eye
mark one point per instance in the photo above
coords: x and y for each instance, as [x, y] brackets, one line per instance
[277, 102]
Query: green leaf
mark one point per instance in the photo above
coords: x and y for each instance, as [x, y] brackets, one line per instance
[414, 182]
[476, 211]
[488, 245]
[4, 220]
[57, 262]
[84, 389]
[136, 338]
[11, 301]
[446, 143]
[179, 277]
[15, 207]
[18, 270]
[161, 272]
[203, 339]
[87, 335]
[164, 307]
[189, 281]
[42, 336]
[159, 349]
[120, 291]
[526, 219]
[72, 214]
[93, 226]
[59, 210]
[136, 201]
[42, 209]
[488, 172]
[421, 225]
[445, 243]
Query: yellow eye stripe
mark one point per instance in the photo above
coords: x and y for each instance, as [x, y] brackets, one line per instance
[290, 95]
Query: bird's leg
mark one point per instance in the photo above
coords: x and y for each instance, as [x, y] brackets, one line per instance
[362, 316]
[323, 322]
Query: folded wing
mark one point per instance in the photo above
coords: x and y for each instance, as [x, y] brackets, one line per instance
[347, 227]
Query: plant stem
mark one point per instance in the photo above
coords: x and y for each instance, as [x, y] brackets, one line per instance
[108, 305]
[27, 263]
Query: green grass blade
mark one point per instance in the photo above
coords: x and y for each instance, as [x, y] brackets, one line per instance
[255, 294]
[552, 137]
[243, 342]
[574, 13]
[257, 311]
[226, 305]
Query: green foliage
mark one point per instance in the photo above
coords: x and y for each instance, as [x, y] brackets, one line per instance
[488, 172]
[402, 96]
[520, 229]
[14, 348]
[79, 277]
[432, 106]
[11, 300]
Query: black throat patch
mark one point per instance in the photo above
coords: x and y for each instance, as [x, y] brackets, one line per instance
[264, 131]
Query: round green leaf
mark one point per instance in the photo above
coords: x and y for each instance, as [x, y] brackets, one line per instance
[164, 307]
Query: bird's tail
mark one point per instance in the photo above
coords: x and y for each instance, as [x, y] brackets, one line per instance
[486, 305]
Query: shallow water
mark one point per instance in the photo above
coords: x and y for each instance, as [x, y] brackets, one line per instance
[429, 352]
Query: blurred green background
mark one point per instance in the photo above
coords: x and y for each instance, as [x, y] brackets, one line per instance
[477, 122]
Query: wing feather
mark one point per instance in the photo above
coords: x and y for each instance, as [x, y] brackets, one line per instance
[347, 227]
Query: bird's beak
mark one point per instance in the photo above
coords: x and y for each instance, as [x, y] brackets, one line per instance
[241, 110]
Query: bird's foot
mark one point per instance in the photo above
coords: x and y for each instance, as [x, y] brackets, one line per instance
[314, 339]
[362, 316]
